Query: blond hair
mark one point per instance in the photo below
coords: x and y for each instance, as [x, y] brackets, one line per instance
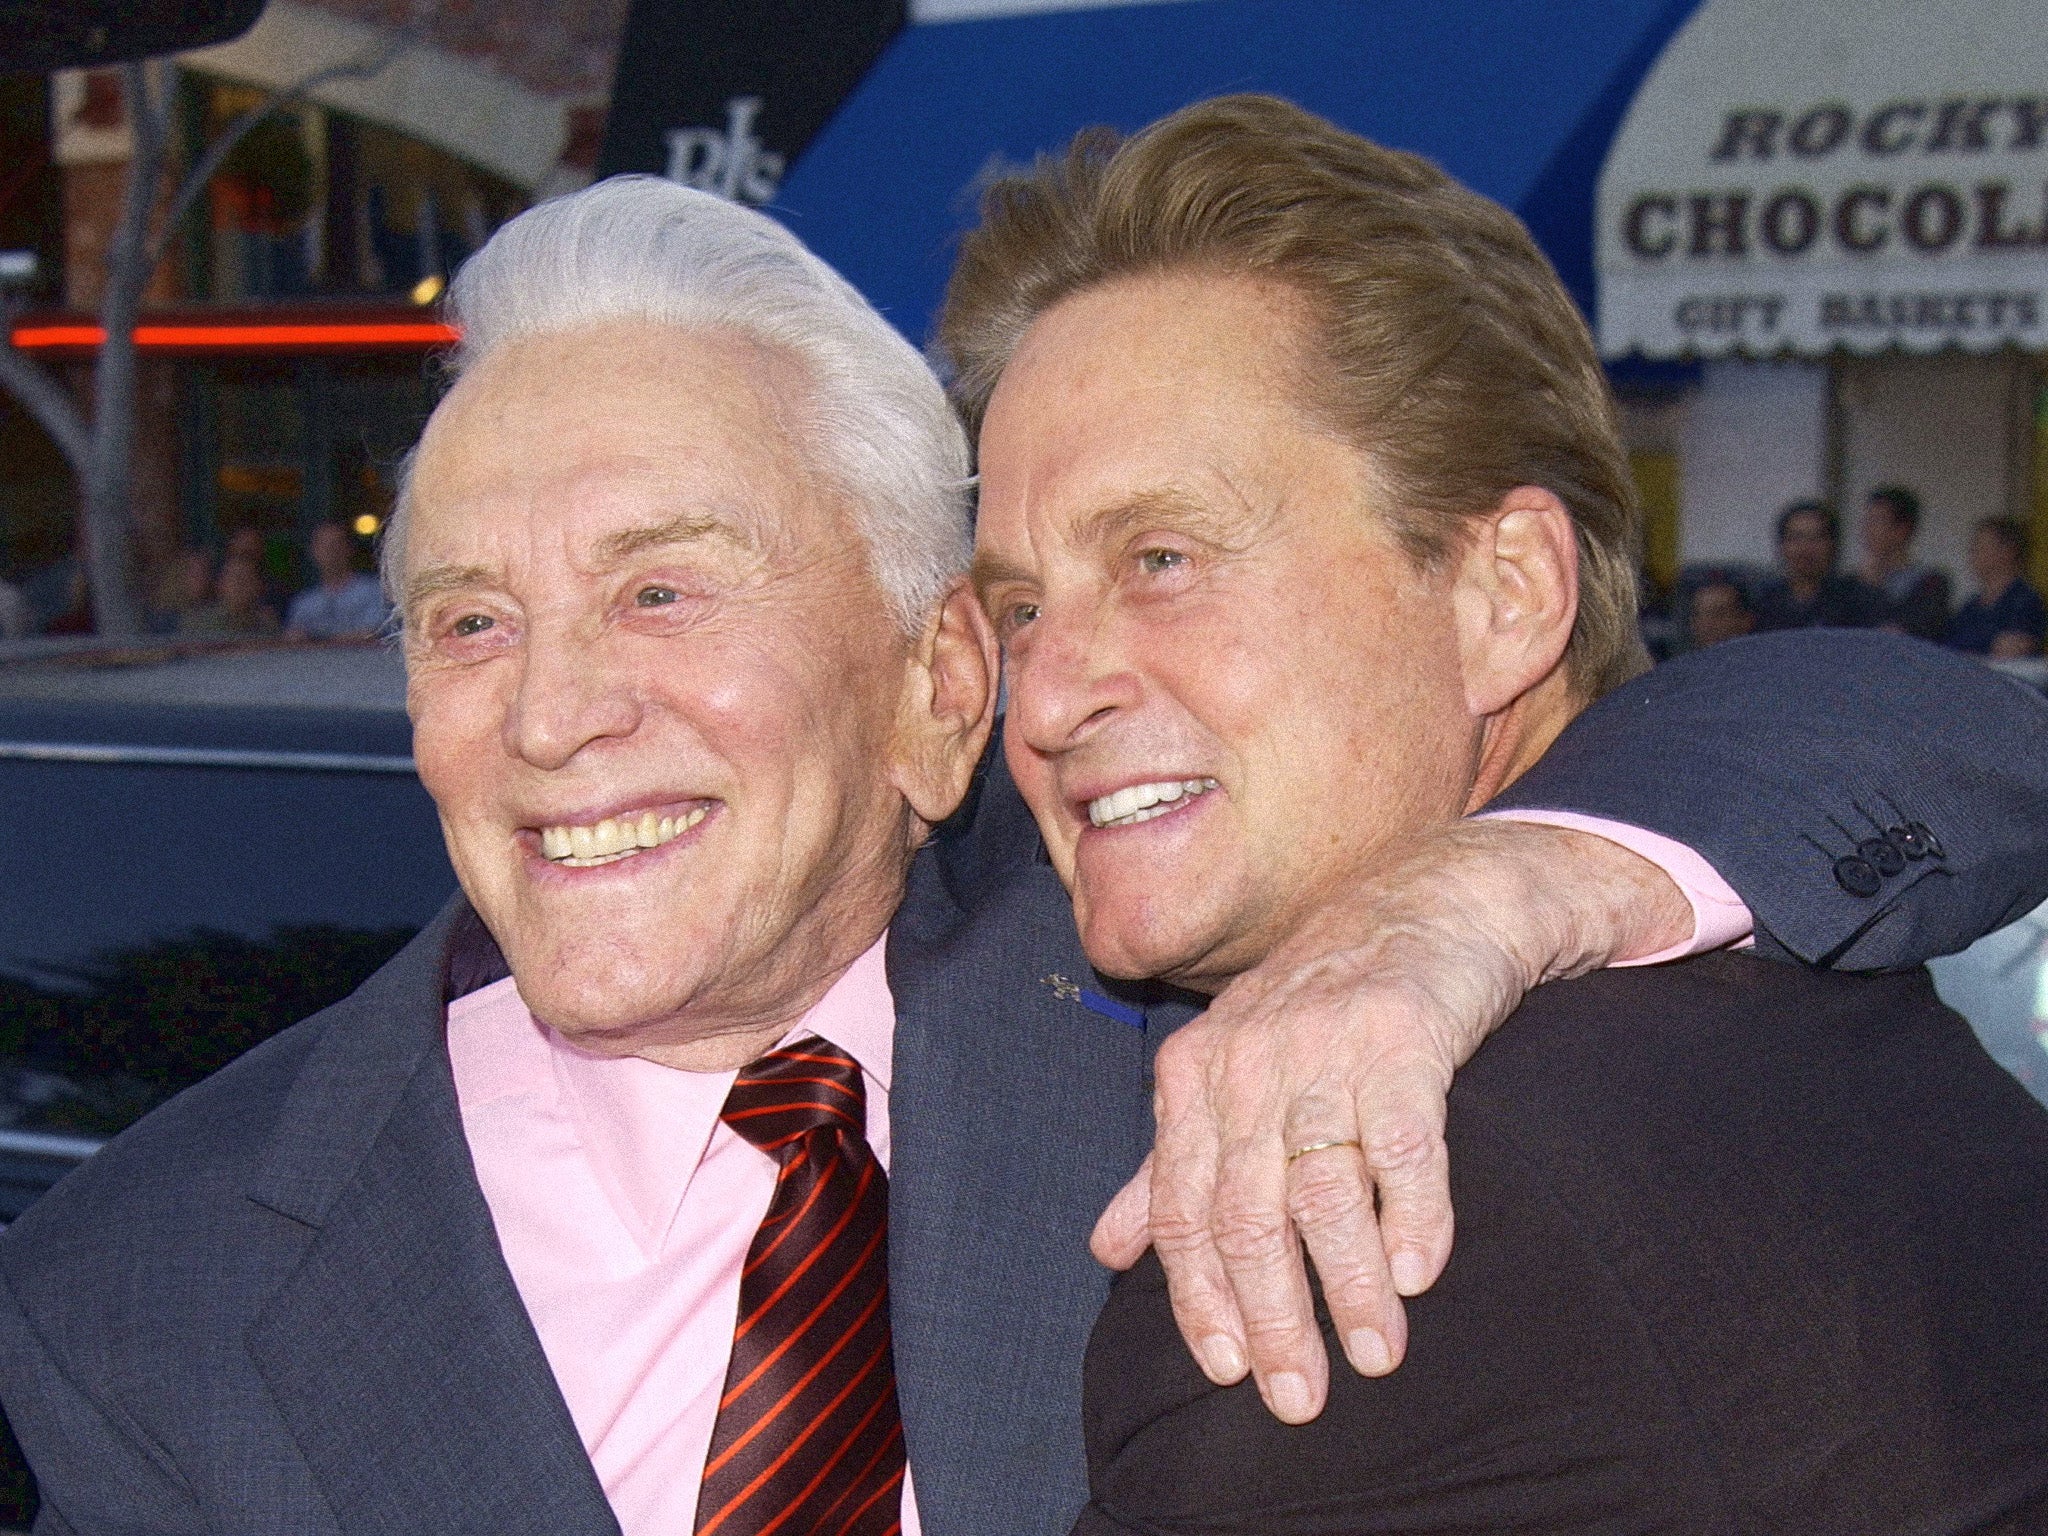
[1442, 343]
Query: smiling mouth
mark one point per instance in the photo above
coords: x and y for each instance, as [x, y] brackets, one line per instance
[614, 838]
[1142, 802]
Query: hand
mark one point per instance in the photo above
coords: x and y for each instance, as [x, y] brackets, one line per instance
[1345, 1039]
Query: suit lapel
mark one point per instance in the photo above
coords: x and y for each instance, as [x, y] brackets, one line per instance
[398, 1352]
[1015, 1113]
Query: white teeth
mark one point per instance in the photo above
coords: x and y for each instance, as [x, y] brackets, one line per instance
[1141, 802]
[613, 838]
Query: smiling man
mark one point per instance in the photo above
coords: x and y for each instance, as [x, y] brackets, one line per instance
[679, 772]
[724, 1158]
[1306, 528]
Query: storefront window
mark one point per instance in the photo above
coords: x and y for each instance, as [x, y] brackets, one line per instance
[278, 445]
[315, 202]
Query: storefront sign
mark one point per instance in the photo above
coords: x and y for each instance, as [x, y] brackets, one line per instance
[1805, 178]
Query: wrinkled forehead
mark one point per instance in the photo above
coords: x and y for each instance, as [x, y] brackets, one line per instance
[590, 431]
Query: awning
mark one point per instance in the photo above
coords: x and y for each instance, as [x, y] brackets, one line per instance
[1515, 97]
[1796, 178]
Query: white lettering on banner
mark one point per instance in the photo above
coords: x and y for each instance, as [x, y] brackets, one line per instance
[1754, 318]
[1881, 179]
[734, 164]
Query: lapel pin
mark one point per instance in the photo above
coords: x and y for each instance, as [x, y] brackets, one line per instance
[1073, 992]
[1063, 989]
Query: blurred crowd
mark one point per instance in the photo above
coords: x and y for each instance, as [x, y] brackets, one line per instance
[1887, 588]
[244, 592]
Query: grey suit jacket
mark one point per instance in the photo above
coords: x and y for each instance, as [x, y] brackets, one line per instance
[277, 1305]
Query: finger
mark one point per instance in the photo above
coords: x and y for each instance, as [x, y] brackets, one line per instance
[1401, 1129]
[1184, 1165]
[1124, 1230]
[1330, 1198]
[1254, 1237]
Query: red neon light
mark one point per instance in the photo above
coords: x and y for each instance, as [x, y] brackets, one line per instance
[59, 336]
[384, 333]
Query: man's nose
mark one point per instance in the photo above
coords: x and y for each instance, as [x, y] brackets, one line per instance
[1069, 681]
[568, 698]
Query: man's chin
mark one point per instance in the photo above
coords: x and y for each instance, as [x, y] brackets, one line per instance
[598, 1001]
[1152, 947]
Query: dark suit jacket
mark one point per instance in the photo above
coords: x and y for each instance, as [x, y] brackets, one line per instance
[1741, 1248]
[277, 1305]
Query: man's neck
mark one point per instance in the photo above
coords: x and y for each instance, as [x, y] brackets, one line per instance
[1877, 569]
[1994, 590]
[1514, 739]
[719, 1033]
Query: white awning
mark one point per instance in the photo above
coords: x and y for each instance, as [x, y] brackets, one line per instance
[1798, 176]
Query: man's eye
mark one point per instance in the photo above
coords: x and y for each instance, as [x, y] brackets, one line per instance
[1155, 562]
[655, 597]
[1020, 614]
[472, 624]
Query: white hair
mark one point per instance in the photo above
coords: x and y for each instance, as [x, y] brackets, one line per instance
[641, 248]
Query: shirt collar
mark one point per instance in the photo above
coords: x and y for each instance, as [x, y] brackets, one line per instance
[645, 1128]
[858, 1015]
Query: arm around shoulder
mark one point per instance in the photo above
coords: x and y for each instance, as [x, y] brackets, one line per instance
[1876, 801]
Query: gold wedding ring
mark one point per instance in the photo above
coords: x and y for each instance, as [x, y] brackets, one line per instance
[1319, 1146]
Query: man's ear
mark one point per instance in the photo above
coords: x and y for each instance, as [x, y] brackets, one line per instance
[1517, 597]
[947, 708]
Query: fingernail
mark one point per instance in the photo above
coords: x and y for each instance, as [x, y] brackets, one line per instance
[1222, 1359]
[1288, 1392]
[1411, 1273]
[1368, 1351]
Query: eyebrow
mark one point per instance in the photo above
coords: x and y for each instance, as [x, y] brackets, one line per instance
[437, 579]
[1165, 504]
[616, 548]
[612, 550]
[1107, 524]
[990, 571]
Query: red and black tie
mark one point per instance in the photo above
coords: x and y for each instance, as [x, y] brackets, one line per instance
[808, 1440]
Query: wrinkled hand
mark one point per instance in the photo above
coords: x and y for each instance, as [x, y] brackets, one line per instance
[1345, 1039]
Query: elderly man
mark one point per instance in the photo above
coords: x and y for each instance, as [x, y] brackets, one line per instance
[572, 1219]
[1300, 487]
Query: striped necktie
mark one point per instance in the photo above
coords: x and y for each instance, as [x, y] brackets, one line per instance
[808, 1440]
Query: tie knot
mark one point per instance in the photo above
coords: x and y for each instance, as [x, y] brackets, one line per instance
[804, 1086]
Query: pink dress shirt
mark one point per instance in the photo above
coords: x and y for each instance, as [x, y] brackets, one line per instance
[625, 1207]
[1719, 917]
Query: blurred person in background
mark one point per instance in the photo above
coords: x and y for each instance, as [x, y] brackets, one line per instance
[238, 608]
[246, 543]
[1916, 595]
[1719, 611]
[345, 603]
[2006, 617]
[1812, 593]
[185, 587]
